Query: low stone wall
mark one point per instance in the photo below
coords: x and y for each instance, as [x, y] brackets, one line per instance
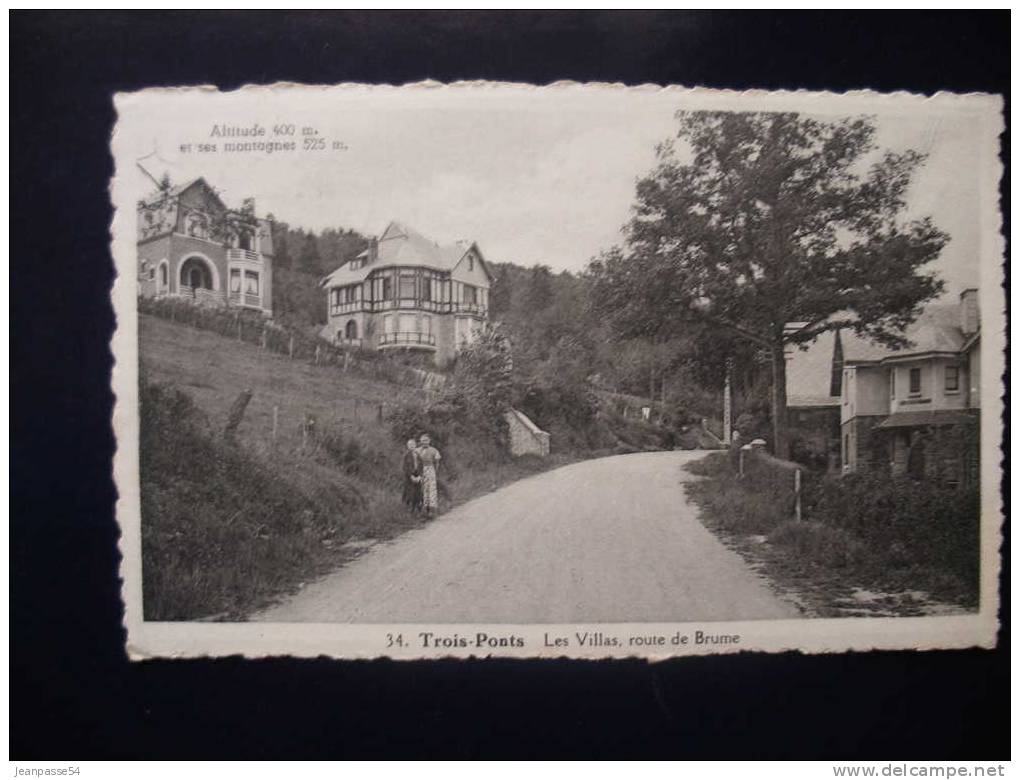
[526, 438]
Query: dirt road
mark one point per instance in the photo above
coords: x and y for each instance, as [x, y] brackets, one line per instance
[608, 540]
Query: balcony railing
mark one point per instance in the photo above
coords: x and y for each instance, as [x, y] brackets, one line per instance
[407, 339]
[468, 308]
[248, 300]
[436, 307]
[344, 308]
[238, 255]
[343, 341]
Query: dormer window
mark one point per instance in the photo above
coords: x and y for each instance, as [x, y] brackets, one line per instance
[471, 262]
[355, 264]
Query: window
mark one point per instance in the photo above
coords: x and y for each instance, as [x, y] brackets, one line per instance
[348, 294]
[354, 265]
[426, 287]
[351, 330]
[952, 379]
[197, 226]
[426, 325]
[235, 280]
[471, 262]
[387, 289]
[152, 274]
[915, 381]
[388, 323]
[407, 286]
[251, 283]
[163, 275]
[892, 382]
[244, 240]
[407, 323]
[470, 294]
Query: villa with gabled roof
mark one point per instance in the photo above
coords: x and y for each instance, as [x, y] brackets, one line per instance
[914, 410]
[406, 292]
[192, 246]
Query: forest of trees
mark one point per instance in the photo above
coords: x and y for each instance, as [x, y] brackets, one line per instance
[301, 259]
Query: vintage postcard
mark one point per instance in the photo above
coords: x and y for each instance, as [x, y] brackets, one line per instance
[577, 370]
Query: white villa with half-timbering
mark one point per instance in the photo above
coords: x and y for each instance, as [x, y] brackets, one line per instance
[406, 292]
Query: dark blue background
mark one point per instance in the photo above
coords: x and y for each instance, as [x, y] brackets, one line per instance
[73, 694]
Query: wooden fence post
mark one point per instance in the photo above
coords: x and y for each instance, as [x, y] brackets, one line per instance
[264, 331]
[239, 326]
[307, 430]
[290, 349]
[796, 491]
[236, 414]
[276, 421]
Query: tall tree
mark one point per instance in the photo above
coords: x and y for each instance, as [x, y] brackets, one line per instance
[752, 221]
[308, 261]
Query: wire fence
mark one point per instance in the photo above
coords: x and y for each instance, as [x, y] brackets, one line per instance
[291, 342]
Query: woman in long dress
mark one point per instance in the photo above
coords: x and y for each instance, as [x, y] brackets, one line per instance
[430, 458]
[411, 493]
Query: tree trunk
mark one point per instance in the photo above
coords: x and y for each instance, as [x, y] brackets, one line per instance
[780, 438]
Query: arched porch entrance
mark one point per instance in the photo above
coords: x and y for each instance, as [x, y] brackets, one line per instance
[196, 274]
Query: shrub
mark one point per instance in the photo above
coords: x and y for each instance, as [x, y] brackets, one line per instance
[823, 544]
[219, 528]
[896, 532]
[908, 522]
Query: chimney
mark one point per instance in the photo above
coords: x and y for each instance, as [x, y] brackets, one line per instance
[970, 314]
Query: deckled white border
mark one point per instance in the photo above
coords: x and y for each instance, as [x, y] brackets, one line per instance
[196, 639]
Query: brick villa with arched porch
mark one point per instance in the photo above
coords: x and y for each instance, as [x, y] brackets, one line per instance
[184, 251]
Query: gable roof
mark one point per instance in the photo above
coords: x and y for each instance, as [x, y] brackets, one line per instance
[179, 189]
[809, 372]
[402, 245]
[937, 329]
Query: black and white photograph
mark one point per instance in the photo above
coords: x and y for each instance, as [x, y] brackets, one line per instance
[578, 370]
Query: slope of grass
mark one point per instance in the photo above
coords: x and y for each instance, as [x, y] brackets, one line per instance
[228, 527]
[214, 370]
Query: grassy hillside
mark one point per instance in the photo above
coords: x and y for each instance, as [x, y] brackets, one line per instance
[213, 370]
[226, 527]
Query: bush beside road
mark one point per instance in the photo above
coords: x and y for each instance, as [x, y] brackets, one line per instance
[867, 543]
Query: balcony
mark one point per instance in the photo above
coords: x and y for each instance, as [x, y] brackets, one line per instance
[468, 308]
[246, 300]
[336, 309]
[235, 255]
[437, 307]
[408, 339]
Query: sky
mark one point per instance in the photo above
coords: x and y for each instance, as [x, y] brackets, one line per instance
[534, 176]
